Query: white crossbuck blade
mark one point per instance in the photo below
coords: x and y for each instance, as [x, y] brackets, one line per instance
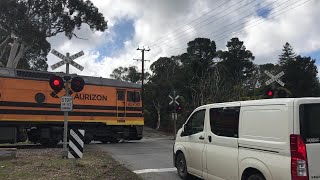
[175, 99]
[66, 60]
[59, 55]
[274, 78]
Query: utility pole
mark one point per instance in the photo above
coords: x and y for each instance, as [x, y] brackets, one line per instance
[142, 71]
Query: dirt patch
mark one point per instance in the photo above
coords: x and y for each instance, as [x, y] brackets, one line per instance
[48, 164]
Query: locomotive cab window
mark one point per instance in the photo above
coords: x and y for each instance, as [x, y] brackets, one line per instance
[120, 94]
[133, 96]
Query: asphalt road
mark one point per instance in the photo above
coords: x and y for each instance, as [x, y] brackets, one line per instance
[150, 158]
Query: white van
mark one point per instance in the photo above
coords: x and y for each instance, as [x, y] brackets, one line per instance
[270, 139]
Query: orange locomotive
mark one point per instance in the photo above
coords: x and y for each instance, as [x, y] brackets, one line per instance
[108, 110]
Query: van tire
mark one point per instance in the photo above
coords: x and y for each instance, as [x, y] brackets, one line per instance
[181, 165]
[257, 176]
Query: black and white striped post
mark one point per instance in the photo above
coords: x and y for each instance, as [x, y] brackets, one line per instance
[76, 142]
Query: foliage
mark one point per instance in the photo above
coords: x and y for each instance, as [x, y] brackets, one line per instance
[300, 77]
[203, 75]
[199, 71]
[287, 55]
[238, 67]
[26, 25]
[129, 74]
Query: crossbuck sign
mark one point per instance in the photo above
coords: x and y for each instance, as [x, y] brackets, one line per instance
[274, 78]
[66, 60]
[174, 100]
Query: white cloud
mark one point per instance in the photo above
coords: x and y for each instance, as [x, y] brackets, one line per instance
[299, 27]
[155, 19]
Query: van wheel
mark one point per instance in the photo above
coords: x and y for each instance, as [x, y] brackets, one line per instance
[256, 177]
[181, 165]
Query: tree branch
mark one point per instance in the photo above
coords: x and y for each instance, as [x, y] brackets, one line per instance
[5, 41]
[2, 52]
[78, 37]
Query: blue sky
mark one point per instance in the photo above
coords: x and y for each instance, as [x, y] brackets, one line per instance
[122, 31]
[264, 12]
[314, 55]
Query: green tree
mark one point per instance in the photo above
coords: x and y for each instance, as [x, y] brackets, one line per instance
[130, 74]
[300, 73]
[161, 84]
[238, 67]
[133, 75]
[198, 71]
[119, 73]
[287, 55]
[300, 77]
[25, 24]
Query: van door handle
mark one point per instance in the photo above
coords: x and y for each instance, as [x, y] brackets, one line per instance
[209, 138]
[201, 137]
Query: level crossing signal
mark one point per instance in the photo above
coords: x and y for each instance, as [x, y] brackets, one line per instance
[179, 109]
[277, 93]
[77, 84]
[57, 84]
[270, 93]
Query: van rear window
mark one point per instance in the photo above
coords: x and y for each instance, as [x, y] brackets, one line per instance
[310, 122]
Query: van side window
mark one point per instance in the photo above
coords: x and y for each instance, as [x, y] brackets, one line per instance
[196, 122]
[225, 121]
[133, 96]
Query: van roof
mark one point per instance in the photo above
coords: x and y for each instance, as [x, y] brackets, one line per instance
[44, 75]
[284, 101]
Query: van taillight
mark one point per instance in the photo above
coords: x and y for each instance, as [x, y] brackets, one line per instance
[299, 162]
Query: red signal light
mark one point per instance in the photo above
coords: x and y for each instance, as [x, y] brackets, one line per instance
[56, 83]
[179, 109]
[269, 93]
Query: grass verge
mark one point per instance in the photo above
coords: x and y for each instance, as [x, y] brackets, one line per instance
[48, 164]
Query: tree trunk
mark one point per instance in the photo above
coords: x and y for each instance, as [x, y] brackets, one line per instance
[13, 53]
[22, 51]
[16, 55]
[158, 108]
[159, 118]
